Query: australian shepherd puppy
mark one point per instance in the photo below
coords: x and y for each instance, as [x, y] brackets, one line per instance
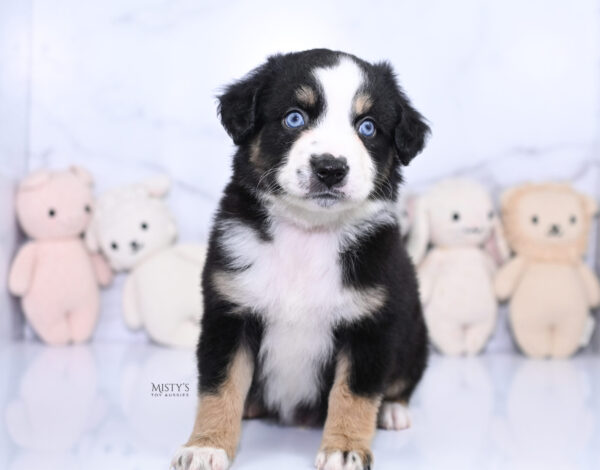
[311, 304]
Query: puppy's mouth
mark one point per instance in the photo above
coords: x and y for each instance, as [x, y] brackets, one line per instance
[326, 198]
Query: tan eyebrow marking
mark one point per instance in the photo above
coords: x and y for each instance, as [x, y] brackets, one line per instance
[362, 103]
[306, 95]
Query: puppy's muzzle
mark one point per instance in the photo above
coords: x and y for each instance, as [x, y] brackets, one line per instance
[329, 170]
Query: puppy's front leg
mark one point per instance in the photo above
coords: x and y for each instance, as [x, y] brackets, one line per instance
[350, 425]
[217, 427]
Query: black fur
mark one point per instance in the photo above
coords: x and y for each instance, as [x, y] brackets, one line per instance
[390, 345]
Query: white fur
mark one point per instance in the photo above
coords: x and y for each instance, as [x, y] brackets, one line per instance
[295, 283]
[394, 416]
[200, 458]
[335, 461]
[335, 134]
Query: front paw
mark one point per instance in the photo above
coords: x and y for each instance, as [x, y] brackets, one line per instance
[200, 458]
[357, 459]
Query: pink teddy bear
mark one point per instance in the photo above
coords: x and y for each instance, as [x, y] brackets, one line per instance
[54, 273]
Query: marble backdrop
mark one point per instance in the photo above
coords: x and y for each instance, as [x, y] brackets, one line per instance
[127, 88]
[15, 47]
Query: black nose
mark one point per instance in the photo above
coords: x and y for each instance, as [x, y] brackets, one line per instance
[135, 246]
[329, 169]
[554, 229]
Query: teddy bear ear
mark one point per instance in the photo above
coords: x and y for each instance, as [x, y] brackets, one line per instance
[157, 186]
[507, 195]
[34, 180]
[82, 174]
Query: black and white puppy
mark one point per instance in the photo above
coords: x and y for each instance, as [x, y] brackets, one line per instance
[311, 303]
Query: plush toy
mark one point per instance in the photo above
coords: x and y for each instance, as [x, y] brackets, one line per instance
[133, 227]
[550, 288]
[54, 274]
[456, 276]
[405, 213]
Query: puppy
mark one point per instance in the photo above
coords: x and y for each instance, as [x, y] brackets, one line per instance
[311, 304]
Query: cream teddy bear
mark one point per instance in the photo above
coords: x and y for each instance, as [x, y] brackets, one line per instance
[551, 289]
[53, 273]
[456, 276]
[133, 227]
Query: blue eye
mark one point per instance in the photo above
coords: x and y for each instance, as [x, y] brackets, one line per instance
[367, 128]
[294, 119]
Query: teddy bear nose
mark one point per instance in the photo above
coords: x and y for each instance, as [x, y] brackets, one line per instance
[555, 229]
[135, 246]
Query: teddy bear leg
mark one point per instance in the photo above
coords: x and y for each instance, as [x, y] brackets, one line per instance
[47, 320]
[566, 338]
[183, 334]
[82, 322]
[477, 335]
[534, 340]
[186, 334]
[55, 333]
[447, 336]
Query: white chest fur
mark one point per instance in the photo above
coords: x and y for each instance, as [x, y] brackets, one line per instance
[295, 283]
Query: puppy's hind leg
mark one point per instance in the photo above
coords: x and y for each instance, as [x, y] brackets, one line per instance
[394, 413]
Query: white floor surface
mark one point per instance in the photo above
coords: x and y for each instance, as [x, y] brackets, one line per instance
[93, 407]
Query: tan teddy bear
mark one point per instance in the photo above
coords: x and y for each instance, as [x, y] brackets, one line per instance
[550, 288]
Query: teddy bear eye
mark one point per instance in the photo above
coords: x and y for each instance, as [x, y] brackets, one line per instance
[456, 216]
[144, 226]
[573, 220]
[534, 219]
[51, 212]
[87, 208]
[114, 246]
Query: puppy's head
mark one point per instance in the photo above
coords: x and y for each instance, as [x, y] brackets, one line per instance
[321, 131]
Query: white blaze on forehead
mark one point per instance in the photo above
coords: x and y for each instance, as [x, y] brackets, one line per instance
[339, 84]
[334, 133]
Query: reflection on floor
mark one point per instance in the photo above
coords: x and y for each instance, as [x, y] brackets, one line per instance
[110, 406]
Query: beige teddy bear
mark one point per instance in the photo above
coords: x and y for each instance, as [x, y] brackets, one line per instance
[550, 288]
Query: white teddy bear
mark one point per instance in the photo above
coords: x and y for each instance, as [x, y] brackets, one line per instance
[456, 276]
[133, 227]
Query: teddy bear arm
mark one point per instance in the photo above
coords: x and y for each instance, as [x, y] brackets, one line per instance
[102, 270]
[22, 270]
[508, 277]
[131, 312]
[490, 264]
[192, 252]
[427, 276]
[590, 284]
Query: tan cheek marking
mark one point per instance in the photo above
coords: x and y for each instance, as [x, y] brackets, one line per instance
[362, 104]
[306, 95]
[351, 419]
[255, 153]
[219, 416]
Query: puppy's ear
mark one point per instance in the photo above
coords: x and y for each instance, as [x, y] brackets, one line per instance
[238, 105]
[411, 132]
